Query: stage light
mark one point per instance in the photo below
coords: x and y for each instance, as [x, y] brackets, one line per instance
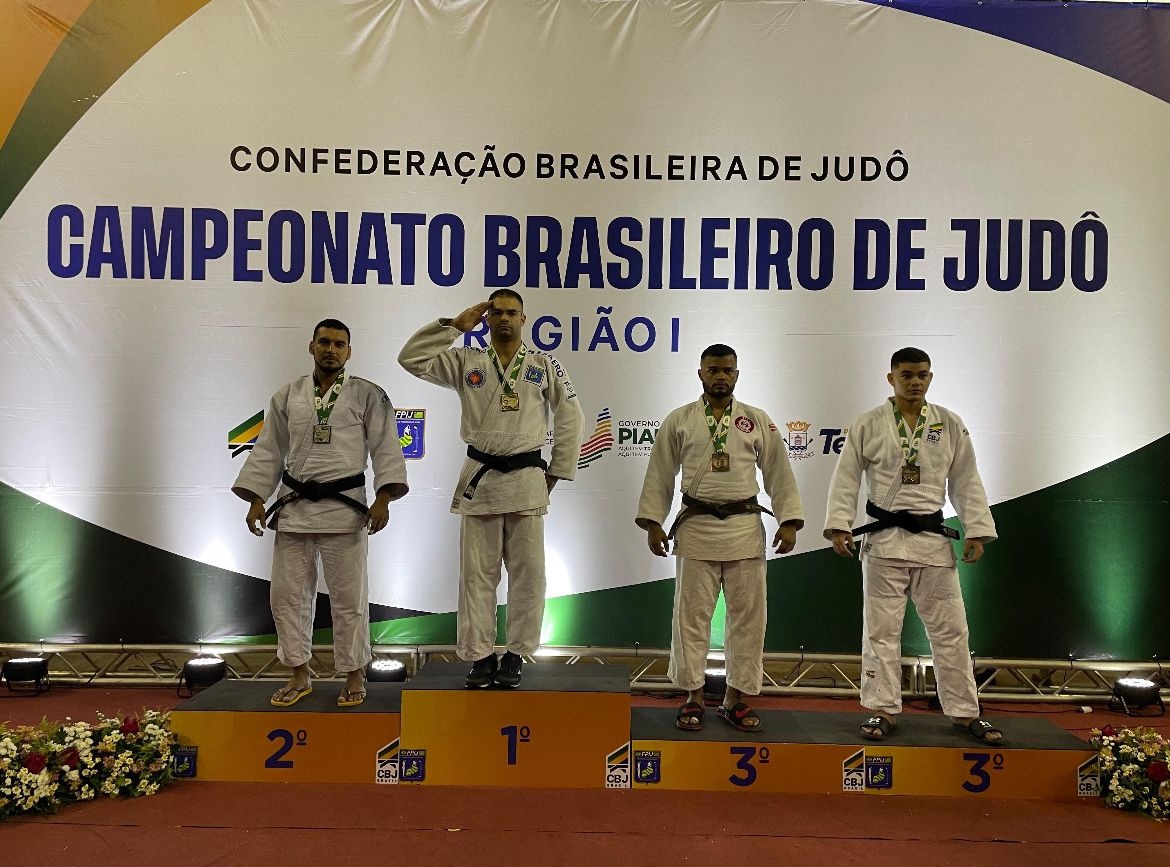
[1135, 693]
[714, 684]
[386, 671]
[25, 670]
[199, 672]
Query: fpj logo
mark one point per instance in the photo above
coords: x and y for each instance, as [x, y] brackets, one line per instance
[802, 444]
[411, 432]
[243, 436]
[412, 766]
[599, 443]
[386, 764]
[186, 761]
[853, 773]
[648, 766]
[879, 772]
[1089, 778]
[617, 768]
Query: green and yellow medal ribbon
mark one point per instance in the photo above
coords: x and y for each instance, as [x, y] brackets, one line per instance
[513, 374]
[325, 404]
[719, 428]
[910, 445]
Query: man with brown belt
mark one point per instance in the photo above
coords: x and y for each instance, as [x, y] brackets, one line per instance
[718, 443]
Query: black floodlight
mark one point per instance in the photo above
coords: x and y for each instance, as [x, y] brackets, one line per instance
[1135, 693]
[27, 672]
[201, 671]
[386, 671]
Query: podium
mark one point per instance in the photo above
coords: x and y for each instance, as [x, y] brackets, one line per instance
[559, 728]
[229, 732]
[572, 726]
[814, 752]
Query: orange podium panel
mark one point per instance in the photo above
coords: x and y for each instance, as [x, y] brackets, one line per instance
[229, 732]
[811, 752]
[564, 726]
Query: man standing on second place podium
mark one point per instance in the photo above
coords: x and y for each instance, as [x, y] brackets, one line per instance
[506, 393]
[718, 443]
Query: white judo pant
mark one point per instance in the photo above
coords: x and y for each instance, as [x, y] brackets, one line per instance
[939, 600]
[696, 590]
[297, 561]
[484, 542]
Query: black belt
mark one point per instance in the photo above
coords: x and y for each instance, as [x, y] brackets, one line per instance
[501, 464]
[314, 491]
[932, 523]
[722, 511]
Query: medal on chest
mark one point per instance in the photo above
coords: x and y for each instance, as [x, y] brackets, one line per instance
[720, 462]
[322, 433]
[911, 474]
[509, 402]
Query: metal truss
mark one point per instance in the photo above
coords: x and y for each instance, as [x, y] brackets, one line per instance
[825, 675]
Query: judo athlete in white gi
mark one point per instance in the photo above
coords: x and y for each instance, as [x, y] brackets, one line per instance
[911, 455]
[317, 436]
[718, 443]
[506, 393]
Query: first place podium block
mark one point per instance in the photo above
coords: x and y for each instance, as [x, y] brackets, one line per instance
[565, 726]
[229, 732]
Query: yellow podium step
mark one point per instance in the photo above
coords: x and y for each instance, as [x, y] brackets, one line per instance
[813, 752]
[229, 732]
[564, 726]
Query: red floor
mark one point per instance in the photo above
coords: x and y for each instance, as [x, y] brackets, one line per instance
[203, 823]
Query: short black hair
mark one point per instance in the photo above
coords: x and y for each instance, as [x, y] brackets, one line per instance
[507, 293]
[909, 355]
[335, 324]
[717, 350]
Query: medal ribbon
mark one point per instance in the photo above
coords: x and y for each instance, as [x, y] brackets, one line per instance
[325, 407]
[910, 445]
[718, 429]
[509, 380]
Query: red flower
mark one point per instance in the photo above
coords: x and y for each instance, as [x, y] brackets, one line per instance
[1109, 732]
[1157, 771]
[34, 762]
[130, 725]
[69, 758]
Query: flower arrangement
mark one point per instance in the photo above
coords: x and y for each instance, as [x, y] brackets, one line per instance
[1135, 769]
[45, 766]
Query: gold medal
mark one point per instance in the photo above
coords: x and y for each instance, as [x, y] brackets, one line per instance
[911, 474]
[509, 402]
[322, 433]
[720, 462]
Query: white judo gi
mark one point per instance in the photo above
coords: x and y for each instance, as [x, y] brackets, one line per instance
[504, 518]
[712, 552]
[326, 537]
[898, 563]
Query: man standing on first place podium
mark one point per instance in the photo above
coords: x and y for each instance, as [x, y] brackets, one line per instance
[318, 434]
[718, 443]
[506, 393]
[911, 455]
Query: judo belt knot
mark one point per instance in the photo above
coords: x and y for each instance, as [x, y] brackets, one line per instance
[909, 521]
[316, 490]
[501, 464]
[722, 511]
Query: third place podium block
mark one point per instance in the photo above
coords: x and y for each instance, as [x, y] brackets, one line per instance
[564, 726]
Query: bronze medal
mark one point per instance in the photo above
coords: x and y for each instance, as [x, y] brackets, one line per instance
[322, 433]
[509, 402]
[911, 474]
[720, 462]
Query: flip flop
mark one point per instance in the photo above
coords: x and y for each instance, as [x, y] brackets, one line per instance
[737, 715]
[351, 698]
[979, 729]
[883, 726]
[688, 710]
[287, 696]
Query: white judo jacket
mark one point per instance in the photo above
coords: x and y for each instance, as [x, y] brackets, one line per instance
[684, 442]
[543, 386]
[873, 449]
[363, 430]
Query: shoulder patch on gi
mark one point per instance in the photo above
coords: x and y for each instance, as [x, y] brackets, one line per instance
[534, 374]
[475, 377]
[745, 424]
[934, 435]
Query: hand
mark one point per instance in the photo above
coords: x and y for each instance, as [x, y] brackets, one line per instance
[255, 517]
[379, 514]
[972, 550]
[785, 539]
[472, 316]
[656, 539]
[843, 543]
[551, 481]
